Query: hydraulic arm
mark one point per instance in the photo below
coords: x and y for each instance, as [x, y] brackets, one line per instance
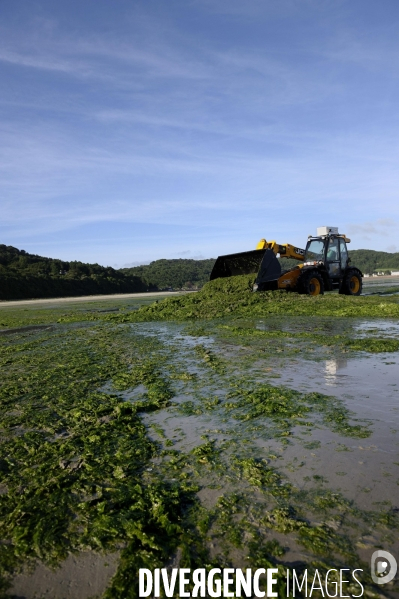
[285, 250]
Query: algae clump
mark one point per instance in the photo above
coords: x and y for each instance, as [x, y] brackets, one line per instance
[234, 296]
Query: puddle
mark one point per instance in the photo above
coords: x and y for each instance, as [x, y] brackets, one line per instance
[374, 286]
[369, 385]
[363, 470]
[185, 432]
[30, 329]
[171, 333]
[367, 471]
[387, 328]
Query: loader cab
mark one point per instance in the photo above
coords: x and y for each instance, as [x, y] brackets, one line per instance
[329, 250]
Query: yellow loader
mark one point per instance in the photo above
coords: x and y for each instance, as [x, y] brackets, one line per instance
[325, 265]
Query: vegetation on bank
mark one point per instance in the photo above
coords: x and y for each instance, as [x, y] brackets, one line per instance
[28, 287]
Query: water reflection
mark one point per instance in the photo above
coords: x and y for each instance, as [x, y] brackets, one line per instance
[331, 368]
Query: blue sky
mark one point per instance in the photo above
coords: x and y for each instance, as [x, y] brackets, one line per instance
[133, 130]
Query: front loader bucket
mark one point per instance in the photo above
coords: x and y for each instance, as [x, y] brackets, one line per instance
[244, 263]
[263, 263]
[269, 272]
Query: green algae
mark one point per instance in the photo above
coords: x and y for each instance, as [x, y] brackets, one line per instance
[318, 339]
[74, 458]
[323, 540]
[287, 408]
[146, 373]
[260, 474]
[284, 519]
[212, 360]
[234, 296]
[375, 345]
[206, 453]
[36, 314]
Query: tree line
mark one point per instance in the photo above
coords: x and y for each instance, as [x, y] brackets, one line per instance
[371, 261]
[176, 274]
[25, 276]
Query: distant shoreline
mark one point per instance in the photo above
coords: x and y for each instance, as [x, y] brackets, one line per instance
[88, 298]
[381, 278]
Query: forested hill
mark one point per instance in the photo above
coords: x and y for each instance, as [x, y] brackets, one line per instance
[370, 261]
[24, 275]
[178, 273]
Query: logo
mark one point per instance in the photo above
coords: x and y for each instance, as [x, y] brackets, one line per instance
[383, 567]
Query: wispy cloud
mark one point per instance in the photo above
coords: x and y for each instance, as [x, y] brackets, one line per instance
[99, 56]
[379, 227]
[136, 263]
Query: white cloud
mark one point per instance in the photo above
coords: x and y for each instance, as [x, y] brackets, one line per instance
[379, 227]
[132, 264]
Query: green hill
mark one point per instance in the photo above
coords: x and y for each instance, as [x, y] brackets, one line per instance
[370, 261]
[24, 275]
[178, 273]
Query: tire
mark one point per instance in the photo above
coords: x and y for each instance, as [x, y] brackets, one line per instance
[311, 283]
[352, 283]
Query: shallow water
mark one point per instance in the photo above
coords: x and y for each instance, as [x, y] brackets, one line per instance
[314, 459]
[376, 284]
[368, 384]
[389, 328]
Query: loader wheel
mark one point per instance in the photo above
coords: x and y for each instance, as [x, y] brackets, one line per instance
[311, 283]
[352, 283]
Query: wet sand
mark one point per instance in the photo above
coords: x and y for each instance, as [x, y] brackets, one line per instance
[81, 576]
[88, 298]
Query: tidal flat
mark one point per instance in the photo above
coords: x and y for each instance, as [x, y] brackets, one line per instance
[216, 429]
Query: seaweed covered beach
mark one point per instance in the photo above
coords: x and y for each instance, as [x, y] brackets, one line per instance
[215, 429]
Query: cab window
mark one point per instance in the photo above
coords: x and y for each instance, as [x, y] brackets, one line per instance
[333, 257]
[344, 253]
[332, 252]
[314, 251]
